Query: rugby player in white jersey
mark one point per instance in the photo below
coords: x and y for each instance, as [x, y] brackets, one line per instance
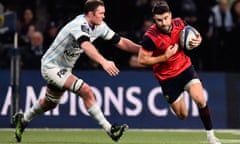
[73, 39]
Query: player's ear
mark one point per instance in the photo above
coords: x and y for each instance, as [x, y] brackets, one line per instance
[91, 13]
[154, 21]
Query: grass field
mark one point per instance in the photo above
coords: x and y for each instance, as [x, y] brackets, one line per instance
[84, 136]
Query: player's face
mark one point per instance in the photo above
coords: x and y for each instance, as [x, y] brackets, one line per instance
[98, 15]
[163, 21]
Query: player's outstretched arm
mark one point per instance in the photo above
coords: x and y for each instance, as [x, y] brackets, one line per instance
[92, 52]
[128, 45]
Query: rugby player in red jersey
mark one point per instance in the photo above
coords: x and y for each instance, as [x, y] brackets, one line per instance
[172, 67]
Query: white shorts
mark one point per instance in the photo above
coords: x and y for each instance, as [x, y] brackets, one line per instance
[56, 75]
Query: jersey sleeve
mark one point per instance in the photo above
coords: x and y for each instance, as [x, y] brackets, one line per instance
[107, 32]
[148, 44]
[79, 28]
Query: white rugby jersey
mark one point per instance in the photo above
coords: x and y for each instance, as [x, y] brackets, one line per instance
[65, 50]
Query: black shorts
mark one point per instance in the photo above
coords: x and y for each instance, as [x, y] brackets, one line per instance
[172, 88]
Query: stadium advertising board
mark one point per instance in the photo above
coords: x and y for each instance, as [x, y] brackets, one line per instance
[134, 97]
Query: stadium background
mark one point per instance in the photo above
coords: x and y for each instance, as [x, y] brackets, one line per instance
[222, 86]
[137, 101]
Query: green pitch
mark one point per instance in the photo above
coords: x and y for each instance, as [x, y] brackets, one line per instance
[84, 136]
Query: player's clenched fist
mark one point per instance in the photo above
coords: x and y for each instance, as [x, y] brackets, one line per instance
[171, 50]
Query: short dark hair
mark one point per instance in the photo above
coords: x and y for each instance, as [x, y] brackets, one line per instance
[92, 5]
[160, 7]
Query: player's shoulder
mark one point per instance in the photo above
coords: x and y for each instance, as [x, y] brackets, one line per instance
[77, 23]
[79, 19]
[102, 25]
[152, 31]
[102, 28]
[178, 21]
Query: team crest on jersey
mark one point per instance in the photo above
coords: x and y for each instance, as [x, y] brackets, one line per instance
[85, 28]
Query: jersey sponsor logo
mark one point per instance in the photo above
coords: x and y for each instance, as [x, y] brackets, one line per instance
[85, 28]
[177, 23]
[72, 54]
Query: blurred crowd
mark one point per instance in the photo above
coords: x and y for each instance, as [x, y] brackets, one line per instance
[38, 22]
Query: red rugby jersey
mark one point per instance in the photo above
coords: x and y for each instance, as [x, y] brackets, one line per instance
[175, 64]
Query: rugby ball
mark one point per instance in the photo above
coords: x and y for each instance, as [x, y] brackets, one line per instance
[186, 35]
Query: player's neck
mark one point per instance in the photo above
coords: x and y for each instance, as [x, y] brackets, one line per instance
[90, 24]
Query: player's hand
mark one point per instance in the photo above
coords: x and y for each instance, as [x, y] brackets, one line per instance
[110, 68]
[196, 41]
[171, 50]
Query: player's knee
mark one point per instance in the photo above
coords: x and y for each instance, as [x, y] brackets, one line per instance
[76, 86]
[201, 104]
[86, 92]
[82, 89]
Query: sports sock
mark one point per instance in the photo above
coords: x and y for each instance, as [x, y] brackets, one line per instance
[97, 114]
[34, 111]
[205, 117]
